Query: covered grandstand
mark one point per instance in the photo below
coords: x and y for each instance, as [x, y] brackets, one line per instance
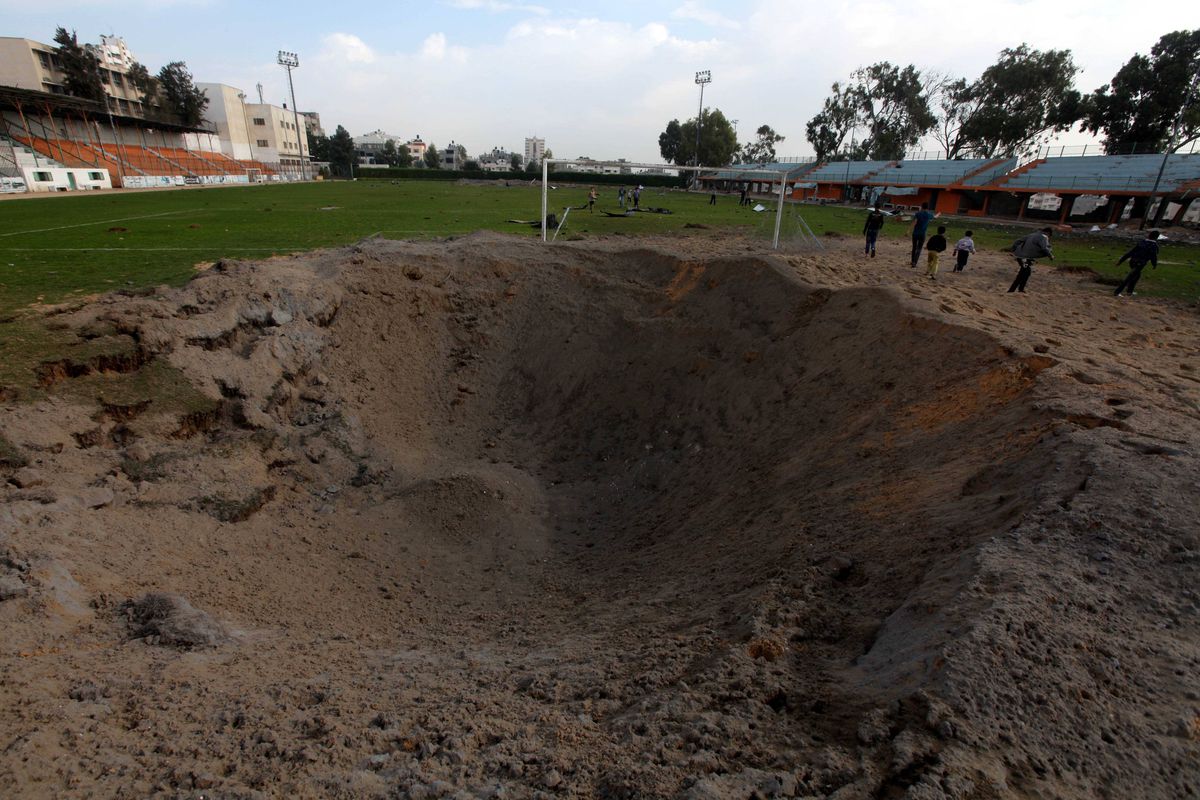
[51, 142]
[1115, 187]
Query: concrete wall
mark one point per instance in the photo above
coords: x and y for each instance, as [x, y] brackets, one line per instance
[59, 179]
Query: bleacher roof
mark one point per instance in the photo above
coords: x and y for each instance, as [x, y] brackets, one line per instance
[734, 172]
[1134, 173]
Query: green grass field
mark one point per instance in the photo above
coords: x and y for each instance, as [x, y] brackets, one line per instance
[57, 248]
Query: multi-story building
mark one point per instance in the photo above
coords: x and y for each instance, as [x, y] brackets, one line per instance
[27, 64]
[257, 131]
[369, 146]
[454, 156]
[535, 150]
[311, 121]
[416, 149]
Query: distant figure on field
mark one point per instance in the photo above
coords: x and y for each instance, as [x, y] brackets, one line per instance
[933, 251]
[1034, 246]
[920, 225]
[871, 230]
[637, 196]
[1143, 253]
[621, 197]
[712, 197]
[742, 201]
[963, 249]
[592, 195]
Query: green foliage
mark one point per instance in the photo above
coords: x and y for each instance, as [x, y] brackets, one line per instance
[669, 142]
[403, 156]
[1145, 106]
[433, 159]
[718, 140]
[471, 165]
[889, 102]
[514, 162]
[388, 154]
[827, 131]
[182, 97]
[318, 146]
[341, 152]
[80, 66]
[144, 82]
[762, 149]
[1018, 101]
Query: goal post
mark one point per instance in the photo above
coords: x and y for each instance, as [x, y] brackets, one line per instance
[772, 174]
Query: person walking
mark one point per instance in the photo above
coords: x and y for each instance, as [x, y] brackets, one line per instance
[637, 197]
[621, 197]
[920, 225]
[1143, 253]
[933, 251]
[712, 197]
[963, 249]
[592, 195]
[871, 230]
[742, 199]
[1026, 250]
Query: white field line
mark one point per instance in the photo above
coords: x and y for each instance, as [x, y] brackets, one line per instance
[98, 222]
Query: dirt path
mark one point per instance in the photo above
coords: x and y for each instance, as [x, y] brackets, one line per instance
[627, 518]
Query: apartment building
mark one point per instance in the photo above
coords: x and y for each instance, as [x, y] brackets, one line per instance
[28, 64]
[535, 150]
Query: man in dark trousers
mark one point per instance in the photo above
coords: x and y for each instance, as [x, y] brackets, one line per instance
[871, 230]
[920, 225]
[1143, 253]
[1027, 249]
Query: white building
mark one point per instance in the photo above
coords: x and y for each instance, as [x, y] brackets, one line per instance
[254, 131]
[535, 150]
[113, 52]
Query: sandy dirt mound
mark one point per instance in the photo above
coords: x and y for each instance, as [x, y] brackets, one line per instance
[482, 518]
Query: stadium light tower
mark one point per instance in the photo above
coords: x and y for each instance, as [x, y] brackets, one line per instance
[290, 61]
[703, 78]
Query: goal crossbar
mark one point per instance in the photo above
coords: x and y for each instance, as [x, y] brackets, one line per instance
[771, 173]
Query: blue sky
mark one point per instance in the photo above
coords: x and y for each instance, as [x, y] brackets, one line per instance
[600, 79]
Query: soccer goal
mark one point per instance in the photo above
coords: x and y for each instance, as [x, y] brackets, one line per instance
[725, 173]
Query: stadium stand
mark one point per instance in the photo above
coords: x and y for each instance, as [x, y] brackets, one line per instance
[1102, 174]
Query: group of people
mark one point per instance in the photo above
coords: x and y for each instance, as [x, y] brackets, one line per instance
[634, 195]
[1026, 250]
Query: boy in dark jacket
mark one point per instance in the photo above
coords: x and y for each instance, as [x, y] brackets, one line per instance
[934, 249]
[1026, 250]
[871, 230]
[1143, 253]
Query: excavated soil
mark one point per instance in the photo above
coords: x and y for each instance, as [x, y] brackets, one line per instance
[669, 518]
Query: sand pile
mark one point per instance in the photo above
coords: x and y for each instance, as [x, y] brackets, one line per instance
[488, 519]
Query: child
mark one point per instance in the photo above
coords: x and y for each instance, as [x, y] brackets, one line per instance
[871, 230]
[592, 195]
[962, 251]
[934, 249]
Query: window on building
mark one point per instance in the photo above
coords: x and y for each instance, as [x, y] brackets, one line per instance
[104, 76]
[117, 81]
[95, 176]
[259, 121]
[262, 142]
[43, 177]
[45, 59]
[123, 105]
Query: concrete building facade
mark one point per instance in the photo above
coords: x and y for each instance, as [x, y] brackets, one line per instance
[535, 150]
[28, 64]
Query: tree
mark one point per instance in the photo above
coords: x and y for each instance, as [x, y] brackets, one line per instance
[762, 149]
[1146, 97]
[514, 162]
[318, 146]
[181, 95]
[433, 159]
[403, 156]
[471, 165]
[718, 140]
[146, 84]
[1018, 101]
[669, 142]
[955, 104]
[341, 152]
[388, 155]
[827, 131]
[893, 108]
[81, 67]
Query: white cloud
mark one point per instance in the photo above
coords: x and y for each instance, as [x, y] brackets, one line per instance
[495, 6]
[693, 10]
[347, 47]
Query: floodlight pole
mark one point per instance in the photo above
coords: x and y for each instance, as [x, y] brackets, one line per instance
[290, 61]
[703, 78]
[545, 191]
